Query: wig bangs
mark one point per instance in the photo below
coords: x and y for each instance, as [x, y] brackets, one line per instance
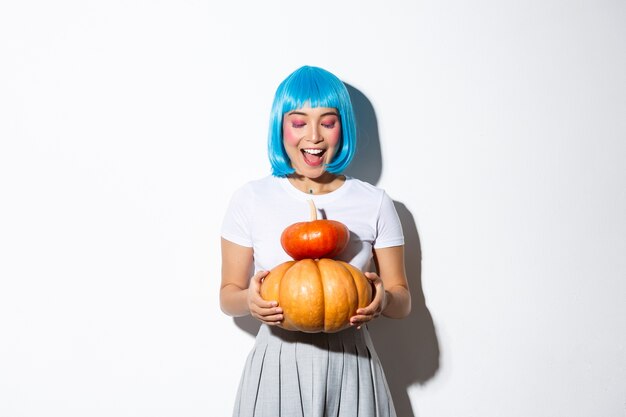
[310, 90]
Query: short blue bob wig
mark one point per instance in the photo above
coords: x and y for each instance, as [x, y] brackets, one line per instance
[311, 87]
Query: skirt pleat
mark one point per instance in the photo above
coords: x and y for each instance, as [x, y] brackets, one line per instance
[295, 374]
[290, 390]
[319, 362]
[381, 389]
[349, 390]
[250, 385]
[304, 365]
[367, 399]
[334, 377]
[268, 393]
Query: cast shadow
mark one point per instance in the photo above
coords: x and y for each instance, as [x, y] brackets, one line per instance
[407, 348]
[367, 164]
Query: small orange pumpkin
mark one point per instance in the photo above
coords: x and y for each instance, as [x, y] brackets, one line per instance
[317, 295]
[315, 239]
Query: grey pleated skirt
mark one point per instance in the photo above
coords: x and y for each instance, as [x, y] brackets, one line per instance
[295, 374]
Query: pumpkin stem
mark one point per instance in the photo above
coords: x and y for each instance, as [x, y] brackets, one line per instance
[313, 210]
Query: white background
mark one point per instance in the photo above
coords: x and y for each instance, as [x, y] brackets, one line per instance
[497, 126]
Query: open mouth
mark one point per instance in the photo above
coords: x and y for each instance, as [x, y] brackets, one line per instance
[313, 157]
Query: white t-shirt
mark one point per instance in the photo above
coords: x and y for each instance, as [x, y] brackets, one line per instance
[260, 211]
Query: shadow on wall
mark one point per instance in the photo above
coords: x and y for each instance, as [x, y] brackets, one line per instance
[408, 348]
[367, 164]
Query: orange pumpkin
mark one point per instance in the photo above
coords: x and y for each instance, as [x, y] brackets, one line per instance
[317, 295]
[315, 239]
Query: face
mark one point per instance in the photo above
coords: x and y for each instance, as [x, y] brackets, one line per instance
[311, 137]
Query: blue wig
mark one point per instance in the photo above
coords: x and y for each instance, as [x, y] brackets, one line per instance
[311, 87]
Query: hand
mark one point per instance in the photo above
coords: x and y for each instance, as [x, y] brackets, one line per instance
[376, 307]
[267, 312]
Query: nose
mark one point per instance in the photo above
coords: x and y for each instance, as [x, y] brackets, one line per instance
[316, 135]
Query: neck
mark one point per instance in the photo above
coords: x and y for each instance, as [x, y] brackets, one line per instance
[321, 185]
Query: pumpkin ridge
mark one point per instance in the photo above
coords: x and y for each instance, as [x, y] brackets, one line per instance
[339, 293]
[302, 308]
[352, 294]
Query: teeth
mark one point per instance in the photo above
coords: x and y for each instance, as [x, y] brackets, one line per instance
[313, 151]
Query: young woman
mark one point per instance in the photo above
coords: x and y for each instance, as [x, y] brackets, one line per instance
[312, 139]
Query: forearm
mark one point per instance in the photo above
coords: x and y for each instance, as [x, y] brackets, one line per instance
[397, 302]
[234, 300]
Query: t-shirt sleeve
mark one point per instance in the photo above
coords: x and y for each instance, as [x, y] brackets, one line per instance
[236, 226]
[389, 228]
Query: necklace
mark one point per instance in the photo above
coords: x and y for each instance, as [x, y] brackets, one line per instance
[323, 187]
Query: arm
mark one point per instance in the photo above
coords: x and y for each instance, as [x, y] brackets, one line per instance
[390, 266]
[240, 294]
[392, 297]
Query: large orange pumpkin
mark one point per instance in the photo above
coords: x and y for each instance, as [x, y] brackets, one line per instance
[315, 239]
[317, 295]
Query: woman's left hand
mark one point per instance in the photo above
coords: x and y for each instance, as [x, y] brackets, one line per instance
[376, 307]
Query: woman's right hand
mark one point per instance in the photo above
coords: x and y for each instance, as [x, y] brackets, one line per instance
[268, 312]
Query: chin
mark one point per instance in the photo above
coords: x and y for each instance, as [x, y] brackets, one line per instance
[312, 173]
